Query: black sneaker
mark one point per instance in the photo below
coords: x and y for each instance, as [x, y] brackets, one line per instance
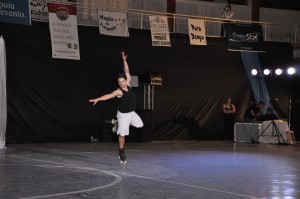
[122, 156]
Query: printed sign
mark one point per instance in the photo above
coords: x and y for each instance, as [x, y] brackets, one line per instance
[197, 32]
[113, 23]
[39, 9]
[15, 11]
[63, 30]
[159, 31]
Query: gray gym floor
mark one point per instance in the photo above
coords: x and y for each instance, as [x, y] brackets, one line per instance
[178, 169]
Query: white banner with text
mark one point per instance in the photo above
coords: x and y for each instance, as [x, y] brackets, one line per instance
[63, 31]
[197, 32]
[113, 23]
[159, 31]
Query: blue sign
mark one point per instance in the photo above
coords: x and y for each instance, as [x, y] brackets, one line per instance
[15, 11]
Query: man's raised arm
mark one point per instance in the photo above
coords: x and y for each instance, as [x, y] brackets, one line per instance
[126, 67]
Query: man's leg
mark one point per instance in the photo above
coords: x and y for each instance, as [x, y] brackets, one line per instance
[136, 120]
[121, 149]
[123, 130]
[121, 142]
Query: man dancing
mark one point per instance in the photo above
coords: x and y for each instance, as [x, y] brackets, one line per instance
[126, 113]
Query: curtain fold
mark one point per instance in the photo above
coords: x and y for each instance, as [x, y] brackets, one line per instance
[257, 83]
[3, 96]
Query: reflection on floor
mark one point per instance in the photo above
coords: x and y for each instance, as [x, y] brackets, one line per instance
[177, 169]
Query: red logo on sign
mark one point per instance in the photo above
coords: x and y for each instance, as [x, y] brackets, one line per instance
[62, 13]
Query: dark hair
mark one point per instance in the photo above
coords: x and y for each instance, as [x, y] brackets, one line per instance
[122, 75]
[262, 103]
[229, 6]
[270, 109]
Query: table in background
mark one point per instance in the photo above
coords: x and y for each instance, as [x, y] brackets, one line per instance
[265, 132]
[269, 133]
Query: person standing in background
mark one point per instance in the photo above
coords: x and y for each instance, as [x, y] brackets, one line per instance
[228, 117]
[226, 14]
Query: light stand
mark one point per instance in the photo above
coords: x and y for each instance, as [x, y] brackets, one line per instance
[290, 110]
[278, 72]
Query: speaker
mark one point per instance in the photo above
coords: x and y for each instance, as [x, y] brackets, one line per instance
[151, 78]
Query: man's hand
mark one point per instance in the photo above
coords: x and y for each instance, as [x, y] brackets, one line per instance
[94, 101]
[124, 56]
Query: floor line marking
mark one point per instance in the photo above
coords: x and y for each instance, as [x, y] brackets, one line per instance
[137, 176]
[117, 180]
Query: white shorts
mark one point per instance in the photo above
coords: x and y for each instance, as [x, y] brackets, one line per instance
[127, 119]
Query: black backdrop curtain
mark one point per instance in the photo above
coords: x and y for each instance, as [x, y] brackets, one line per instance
[48, 98]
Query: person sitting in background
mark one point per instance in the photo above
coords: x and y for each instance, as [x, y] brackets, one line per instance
[269, 116]
[253, 112]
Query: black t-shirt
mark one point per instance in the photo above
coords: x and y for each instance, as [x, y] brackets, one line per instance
[127, 101]
[254, 108]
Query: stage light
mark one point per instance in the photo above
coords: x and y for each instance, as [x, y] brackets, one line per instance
[291, 71]
[254, 72]
[278, 71]
[267, 72]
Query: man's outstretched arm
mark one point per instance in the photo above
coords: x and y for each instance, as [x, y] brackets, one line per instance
[105, 97]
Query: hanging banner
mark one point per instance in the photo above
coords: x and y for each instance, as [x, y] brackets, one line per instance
[39, 9]
[113, 23]
[63, 31]
[197, 32]
[15, 11]
[159, 31]
[244, 37]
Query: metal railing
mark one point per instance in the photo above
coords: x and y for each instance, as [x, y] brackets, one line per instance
[139, 19]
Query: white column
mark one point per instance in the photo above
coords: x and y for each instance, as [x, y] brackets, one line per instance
[3, 97]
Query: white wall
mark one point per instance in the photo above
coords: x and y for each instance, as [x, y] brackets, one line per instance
[241, 12]
[278, 16]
